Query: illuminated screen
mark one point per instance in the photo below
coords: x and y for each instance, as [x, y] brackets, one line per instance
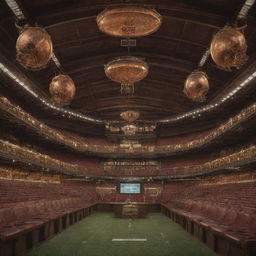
[129, 188]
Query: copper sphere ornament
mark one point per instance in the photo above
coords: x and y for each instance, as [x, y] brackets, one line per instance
[130, 116]
[34, 48]
[228, 48]
[62, 90]
[129, 21]
[196, 86]
[126, 70]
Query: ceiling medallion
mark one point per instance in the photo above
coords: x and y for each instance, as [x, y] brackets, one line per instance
[34, 48]
[196, 86]
[126, 70]
[129, 129]
[129, 21]
[130, 116]
[62, 90]
[228, 48]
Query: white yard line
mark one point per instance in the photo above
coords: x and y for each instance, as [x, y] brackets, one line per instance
[129, 239]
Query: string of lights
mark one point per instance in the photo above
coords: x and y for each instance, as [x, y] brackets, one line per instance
[75, 115]
[87, 146]
[27, 155]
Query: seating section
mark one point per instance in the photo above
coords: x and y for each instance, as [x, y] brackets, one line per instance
[222, 218]
[222, 215]
[27, 218]
[12, 192]
[227, 210]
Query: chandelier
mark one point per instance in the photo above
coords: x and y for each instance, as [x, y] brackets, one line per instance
[34, 48]
[129, 21]
[228, 48]
[196, 86]
[130, 116]
[126, 70]
[129, 129]
[62, 90]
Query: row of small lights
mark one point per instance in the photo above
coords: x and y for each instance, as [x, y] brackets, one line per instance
[65, 112]
[206, 108]
[73, 114]
[20, 16]
[196, 113]
[50, 170]
[243, 13]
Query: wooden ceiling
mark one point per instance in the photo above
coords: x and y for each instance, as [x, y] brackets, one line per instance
[172, 52]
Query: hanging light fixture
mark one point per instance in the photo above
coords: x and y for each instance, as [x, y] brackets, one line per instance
[34, 48]
[130, 116]
[62, 90]
[228, 48]
[129, 21]
[129, 129]
[196, 86]
[126, 70]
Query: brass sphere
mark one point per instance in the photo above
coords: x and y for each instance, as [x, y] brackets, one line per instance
[34, 48]
[62, 89]
[126, 70]
[196, 86]
[129, 21]
[228, 48]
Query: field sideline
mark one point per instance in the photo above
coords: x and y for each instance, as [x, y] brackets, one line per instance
[155, 235]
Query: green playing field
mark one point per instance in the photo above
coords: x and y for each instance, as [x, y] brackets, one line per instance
[155, 235]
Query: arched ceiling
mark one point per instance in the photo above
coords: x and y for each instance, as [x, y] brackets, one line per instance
[172, 52]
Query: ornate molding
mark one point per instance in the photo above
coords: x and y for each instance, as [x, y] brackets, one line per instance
[81, 146]
[12, 151]
[27, 176]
